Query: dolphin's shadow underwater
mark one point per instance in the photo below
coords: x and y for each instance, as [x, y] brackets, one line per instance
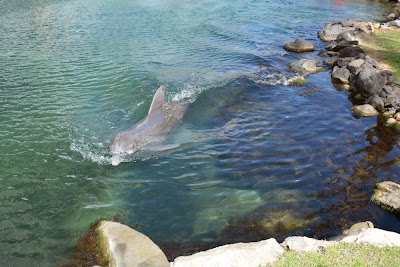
[150, 131]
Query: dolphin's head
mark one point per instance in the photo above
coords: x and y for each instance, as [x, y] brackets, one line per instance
[124, 143]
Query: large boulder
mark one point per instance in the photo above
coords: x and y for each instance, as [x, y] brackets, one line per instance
[306, 65]
[299, 46]
[305, 244]
[240, 254]
[352, 51]
[387, 195]
[330, 32]
[127, 247]
[370, 82]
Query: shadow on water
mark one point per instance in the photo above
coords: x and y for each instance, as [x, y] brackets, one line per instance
[337, 199]
[347, 200]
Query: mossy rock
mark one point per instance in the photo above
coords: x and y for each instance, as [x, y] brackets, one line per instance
[387, 196]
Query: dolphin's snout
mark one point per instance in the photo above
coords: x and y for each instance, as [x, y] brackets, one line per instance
[116, 160]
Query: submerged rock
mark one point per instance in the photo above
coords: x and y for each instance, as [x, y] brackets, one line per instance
[387, 195]
[240, 254]
[299, 46]
[366, 110]
[306, 65]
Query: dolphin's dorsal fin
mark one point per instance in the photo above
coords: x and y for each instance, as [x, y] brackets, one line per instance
[158, 99]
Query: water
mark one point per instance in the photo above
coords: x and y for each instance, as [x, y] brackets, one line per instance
[252, 158]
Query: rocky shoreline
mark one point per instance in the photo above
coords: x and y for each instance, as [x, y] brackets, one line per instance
[118, 245]
[372, 89]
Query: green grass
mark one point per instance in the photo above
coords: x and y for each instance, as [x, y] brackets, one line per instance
[385, 44]
[343, 255]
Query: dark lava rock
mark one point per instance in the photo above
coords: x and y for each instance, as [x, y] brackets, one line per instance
[299, 46]
[331, 61]
[370, 82]
[386, 73]
[345, 61]
[386, 91]
[352, 51]
[376, 101]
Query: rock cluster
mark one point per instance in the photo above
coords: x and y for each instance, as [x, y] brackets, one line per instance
[354, 70]
[124, 246]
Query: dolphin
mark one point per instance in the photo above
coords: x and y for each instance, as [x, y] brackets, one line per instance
[152, 130]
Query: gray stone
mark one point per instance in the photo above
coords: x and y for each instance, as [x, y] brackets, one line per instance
[370, 82]
[344, 61]
[306, 65]
[376, 101]
[240, 254]
[387, 195]
[352, 51]
[349, 36]
[394, 23]
[299, 46]
[332, 53]
[372, 236]
[366, 110]
[331, 61]
[341, 74]
[386, 91]
[386, 73]
[127, 247]
[355, 65]
[374, 63]
[305, 244]
[330, 32]
[350, 23]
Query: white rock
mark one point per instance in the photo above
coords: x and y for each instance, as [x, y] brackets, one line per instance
[391, 121]
[397, 116]
[240, 254]
[305, 244]
[372, 236]
[127, 247]
[366, 110]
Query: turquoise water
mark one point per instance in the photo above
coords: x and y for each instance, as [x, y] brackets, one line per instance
[253, 158]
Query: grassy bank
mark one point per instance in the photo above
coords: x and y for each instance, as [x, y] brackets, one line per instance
[384, 46]
[343, 255]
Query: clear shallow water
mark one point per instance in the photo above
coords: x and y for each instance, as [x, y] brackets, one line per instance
[252, 158]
